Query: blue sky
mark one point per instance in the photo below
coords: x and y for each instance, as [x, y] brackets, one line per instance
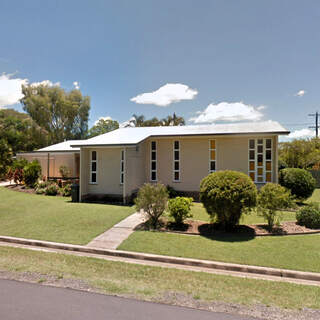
[246, 60]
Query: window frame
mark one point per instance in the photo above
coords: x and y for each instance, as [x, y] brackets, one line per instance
[153, 161]
[215, 151]
[122, 164]
[174, 161]
[91, 162]
[264, 159]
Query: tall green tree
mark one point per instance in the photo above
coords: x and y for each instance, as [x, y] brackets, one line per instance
[64, 115]
[300, 153]
[103, 126]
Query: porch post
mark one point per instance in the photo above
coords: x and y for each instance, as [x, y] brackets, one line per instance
[48, 166]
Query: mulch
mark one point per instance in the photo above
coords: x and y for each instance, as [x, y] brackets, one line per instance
[206, 229]
[20, 188]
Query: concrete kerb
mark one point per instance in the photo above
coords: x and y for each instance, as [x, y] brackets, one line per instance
[281, 273]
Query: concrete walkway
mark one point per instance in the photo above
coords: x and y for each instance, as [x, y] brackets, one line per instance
[4, 183]
[113, 237]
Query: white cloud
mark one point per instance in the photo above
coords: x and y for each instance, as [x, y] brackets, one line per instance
[228, 111]
[76, 85]
[300, 93]
[102, 118]
[165, 95]
[301, 134]
[10, 89]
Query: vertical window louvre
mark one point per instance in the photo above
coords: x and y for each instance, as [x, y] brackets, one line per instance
[176, 161]
[260, 160]
[212, 156]
[122, 167]
[93, 167]
[153, 161]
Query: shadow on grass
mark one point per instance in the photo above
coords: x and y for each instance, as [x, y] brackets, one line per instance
[239, 234]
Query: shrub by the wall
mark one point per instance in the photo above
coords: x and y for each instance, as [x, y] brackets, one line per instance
[179, 209]
[299, 181]
[32, 172]
[271, 198]
[66, 190]
[152, 199]
[309, 216]
[226, 195]
[52, 190]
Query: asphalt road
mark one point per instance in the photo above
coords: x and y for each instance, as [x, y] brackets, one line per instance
[26, 301]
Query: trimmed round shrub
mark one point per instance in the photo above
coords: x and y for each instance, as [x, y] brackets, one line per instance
[32, 172]
[226, 195]
[299, 181]
[179, 209]
[152, 199]
[309, 216]
[51, 190]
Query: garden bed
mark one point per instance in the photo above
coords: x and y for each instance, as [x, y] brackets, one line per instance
[203, 228]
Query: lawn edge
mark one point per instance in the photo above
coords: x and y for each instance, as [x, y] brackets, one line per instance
[276, 272]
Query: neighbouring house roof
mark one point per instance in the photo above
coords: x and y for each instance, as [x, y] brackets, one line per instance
[133, 136]
[64, 146]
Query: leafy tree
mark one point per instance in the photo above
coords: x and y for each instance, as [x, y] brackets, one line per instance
[271, 198]
[5, 157]
[64, 115]
[152, 199]
[300, 153]
[32, 172]
[20, 131]
[103, 126]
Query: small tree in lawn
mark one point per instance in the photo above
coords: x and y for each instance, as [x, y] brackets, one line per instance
[271, 198]
[179, 209]
[152, 199]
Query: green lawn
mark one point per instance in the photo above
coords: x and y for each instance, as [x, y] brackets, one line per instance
[55, 218]
[199, 213]
[158, 284]
[290, 252]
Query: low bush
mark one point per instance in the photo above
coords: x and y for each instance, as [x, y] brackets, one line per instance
[40, 191]
[18, 176]
[226, 195]
[299, 181]
[66, 190]
[152, 199]
[271, 198]
[309, 216]
[52, 190]
[43, 184]
[179, 209]
[32, 172]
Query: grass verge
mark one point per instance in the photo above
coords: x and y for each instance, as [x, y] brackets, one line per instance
[153, 283]
[289, 252]
[55, 218]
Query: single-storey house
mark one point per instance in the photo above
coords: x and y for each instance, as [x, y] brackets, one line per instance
[51, 158]
[118, 163]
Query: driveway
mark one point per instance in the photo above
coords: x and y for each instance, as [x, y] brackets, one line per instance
[26, 301]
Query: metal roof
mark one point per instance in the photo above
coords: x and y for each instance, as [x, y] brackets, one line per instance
[64, 146]
[132, 136]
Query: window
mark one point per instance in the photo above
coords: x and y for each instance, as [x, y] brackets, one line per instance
[260, 160]
[153, 159]
[212, 156]
[122, 167]
[176, 161]
[93, 167]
